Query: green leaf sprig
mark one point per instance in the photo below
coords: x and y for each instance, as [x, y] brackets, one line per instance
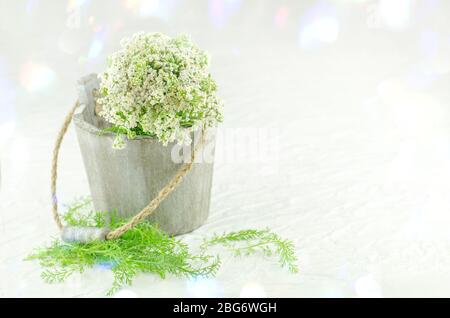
[147, 249]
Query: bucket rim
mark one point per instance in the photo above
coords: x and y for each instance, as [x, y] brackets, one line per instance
[81, 123]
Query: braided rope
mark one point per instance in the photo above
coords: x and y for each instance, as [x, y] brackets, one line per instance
[146, 211]
[163, 193]
[54, 171]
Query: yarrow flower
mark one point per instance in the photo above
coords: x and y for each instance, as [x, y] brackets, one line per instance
[158, 86]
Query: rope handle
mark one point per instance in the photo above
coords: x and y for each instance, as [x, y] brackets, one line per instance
[146, 211]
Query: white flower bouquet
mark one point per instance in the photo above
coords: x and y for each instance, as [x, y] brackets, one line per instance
[158, 86]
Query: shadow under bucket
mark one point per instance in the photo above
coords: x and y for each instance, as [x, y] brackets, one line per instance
[124, 181]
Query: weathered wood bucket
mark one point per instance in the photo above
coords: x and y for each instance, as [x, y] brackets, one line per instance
[123, 181]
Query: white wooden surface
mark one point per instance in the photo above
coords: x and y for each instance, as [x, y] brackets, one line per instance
[357, 94]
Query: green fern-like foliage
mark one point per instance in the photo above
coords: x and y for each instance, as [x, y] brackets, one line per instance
[147, 249]
[246, 242]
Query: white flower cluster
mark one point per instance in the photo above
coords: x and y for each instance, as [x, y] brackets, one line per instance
[158, 86]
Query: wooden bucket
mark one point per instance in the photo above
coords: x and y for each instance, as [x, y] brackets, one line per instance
[123, 181]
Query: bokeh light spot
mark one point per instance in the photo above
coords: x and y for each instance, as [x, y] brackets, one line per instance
[220, 11]
[95, 49]
[74, 4]
[35, 77]
[367, 287]
[252, 290]
[319, 26]
[281, 16]
[204, 287]
[396, 15]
